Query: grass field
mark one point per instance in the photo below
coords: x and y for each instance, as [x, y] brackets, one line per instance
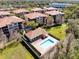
[16, 52]
[58, 31]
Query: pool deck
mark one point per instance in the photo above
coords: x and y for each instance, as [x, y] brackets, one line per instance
[43, 50]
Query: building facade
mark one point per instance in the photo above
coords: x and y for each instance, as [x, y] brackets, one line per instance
[37, 17]
[9, 24]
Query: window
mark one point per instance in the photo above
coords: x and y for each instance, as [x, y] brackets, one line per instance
[10, 26]
[15, 24]
[40, 20]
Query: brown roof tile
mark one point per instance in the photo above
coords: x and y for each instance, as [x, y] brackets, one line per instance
[53, 12]
[37, 9]
[50, 8]
[35, 15]
[9, 20]
[4, 13]
[20, 11]
[35, 33]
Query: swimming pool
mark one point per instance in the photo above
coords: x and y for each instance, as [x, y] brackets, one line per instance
[46, 43]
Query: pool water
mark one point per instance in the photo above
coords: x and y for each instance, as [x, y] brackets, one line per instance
[46, 43]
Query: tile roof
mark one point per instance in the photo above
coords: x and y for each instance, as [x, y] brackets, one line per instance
[37, 9]
[4, 13]
[53, 12]
[50, 8]
[20, 11]
[35, 33]
[2, 9]
[9, 20]
[35, 15]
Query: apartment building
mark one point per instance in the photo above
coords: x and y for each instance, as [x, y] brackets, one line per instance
[37, 17]
[10, 23]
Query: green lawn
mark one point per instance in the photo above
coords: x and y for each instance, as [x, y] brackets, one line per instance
[58, 31]
[16, 52]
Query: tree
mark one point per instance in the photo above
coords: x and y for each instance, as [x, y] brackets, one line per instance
[32, 24]
[14, 35]
[73, 27]
[74, 14]
[71, 43]
[3, 39]
[67, 44]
